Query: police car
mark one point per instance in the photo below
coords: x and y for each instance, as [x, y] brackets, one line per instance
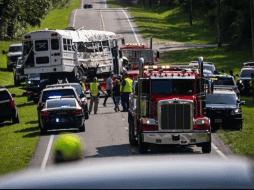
[224, 109]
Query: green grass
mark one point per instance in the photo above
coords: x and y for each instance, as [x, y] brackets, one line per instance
[241, 142]
[169, 24]
[17, 142]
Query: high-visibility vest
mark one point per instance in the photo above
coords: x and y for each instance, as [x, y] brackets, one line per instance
[83, 86]
[128, 85]
[94, 88]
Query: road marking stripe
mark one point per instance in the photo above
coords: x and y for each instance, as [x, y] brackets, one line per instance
[74, 17]
[45, 159]
[219, 152]
[103, 25]
[131, 27]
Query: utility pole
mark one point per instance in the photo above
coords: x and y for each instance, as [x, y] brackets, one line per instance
[190, 12]
[252, 31]
[219, 24]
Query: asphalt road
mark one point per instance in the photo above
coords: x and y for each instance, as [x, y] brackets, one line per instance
[106, 132]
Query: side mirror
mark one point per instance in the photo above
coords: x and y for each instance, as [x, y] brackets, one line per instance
[242, 102]
[13, 95]
[3, 52]
[237, 75]
[123, 41]
[158, 54]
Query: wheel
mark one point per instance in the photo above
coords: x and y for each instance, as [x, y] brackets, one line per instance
[142, 147]
[43, 131]
[15, 119]
[132, 139]
[9, 67]
[82, 128]
[79, 74]
[206, 147]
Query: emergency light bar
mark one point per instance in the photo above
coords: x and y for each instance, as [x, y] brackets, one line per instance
[169, 67]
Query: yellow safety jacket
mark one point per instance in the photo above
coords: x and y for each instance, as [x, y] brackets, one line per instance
[128, 86]
[83, 86]
[94, 88]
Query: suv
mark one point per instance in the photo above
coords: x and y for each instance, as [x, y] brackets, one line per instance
[224, 109]
[8, 109]
[80, 92]
[18, 76]
[244, 78]
[226, 82]
[15, 51]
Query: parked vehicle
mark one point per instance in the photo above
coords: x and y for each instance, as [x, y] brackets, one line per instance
[224, 109]
[8, 108]
[15, 51]
[17, 73]
[206, 66]
[224, 82]
[81, 94]
[88, 5]
[244, 79]
[168, 108]
[61, 113]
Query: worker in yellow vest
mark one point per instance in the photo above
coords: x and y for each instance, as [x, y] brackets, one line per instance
[82, 82]
[126, 89]
[94, 92]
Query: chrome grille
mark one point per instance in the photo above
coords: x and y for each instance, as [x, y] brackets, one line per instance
[175, 116]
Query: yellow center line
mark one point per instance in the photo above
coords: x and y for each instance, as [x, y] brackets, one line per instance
[103, 25]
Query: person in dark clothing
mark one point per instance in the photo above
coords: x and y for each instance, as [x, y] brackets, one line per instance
[117, 95]
[231, 73]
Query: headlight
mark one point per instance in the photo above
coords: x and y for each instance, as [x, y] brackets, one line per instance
[150, 121]
[29, 82]
[240, 81]
[236, 111]
[202, 121]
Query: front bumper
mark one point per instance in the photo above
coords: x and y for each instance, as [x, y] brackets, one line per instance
[194, 138]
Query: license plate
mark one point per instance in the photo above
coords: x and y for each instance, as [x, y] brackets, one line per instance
[218, 120]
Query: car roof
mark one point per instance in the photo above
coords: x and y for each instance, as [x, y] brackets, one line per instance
[58, 88]
[220, 91]
[247, 68]
[15, 45]
[58, 99]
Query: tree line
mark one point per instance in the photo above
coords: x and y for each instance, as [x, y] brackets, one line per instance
[234, 15]
[15, 15]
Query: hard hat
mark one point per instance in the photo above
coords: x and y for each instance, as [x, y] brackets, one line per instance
[84, 78]
[68, 147]
[95, 79]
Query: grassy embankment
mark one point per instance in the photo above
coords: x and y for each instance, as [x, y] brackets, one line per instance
[171, 24]
[168, 24]
[17, 142]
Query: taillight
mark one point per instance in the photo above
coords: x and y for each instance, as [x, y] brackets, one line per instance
[77, 111]
[12, 103]
[44, 114]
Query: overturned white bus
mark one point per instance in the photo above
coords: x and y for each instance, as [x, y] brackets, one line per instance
[71, 54]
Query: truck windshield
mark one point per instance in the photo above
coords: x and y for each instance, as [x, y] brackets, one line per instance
[221, 99]
[15, 48]
[172, 86]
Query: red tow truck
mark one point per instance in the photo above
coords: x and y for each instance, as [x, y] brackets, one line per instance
[132, 53]
[167, 107]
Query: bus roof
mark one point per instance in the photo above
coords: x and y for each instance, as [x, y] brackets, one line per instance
[76, 36]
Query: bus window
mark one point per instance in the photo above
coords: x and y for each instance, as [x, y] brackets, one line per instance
[65, 44]
[105, 44]
[89, 47]
[54, 44]
[69, 44]
[27, 45]
[100, 46]
[41, 45]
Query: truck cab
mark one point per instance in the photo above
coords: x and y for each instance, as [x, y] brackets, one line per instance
[167, 108]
